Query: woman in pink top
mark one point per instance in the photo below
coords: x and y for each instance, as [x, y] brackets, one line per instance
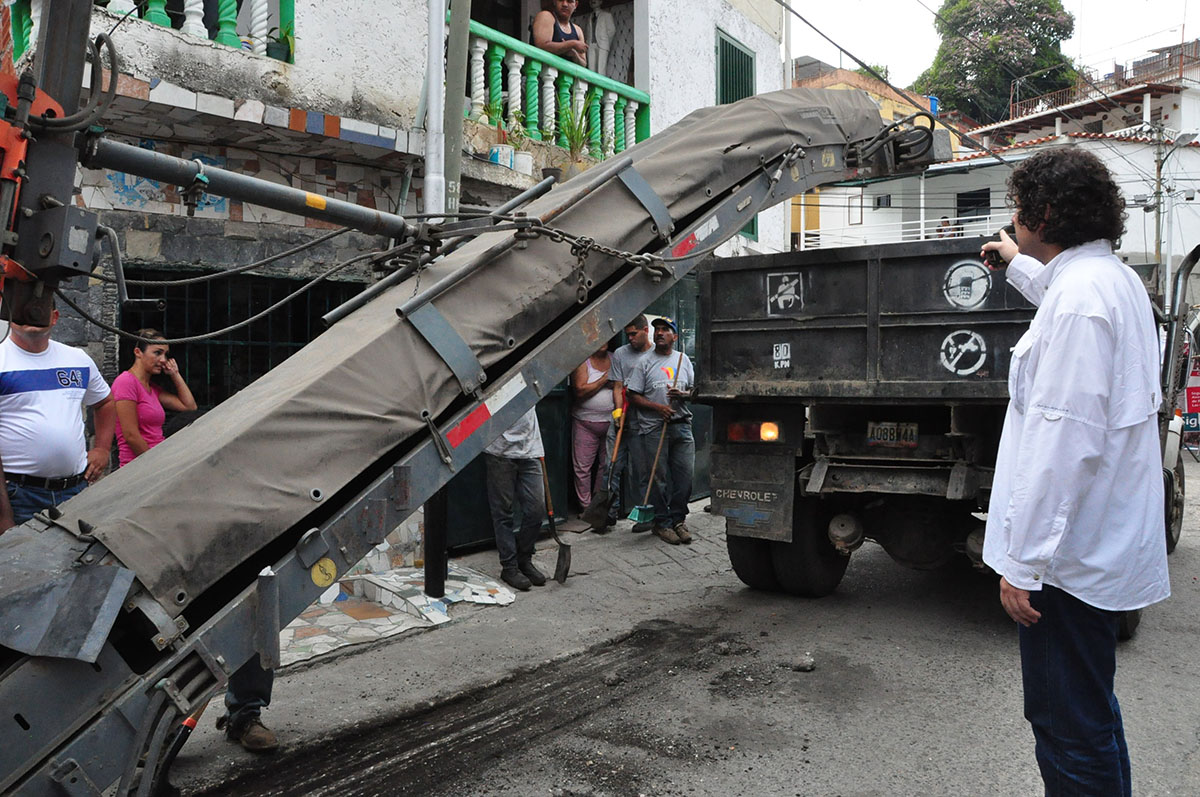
[141, 402]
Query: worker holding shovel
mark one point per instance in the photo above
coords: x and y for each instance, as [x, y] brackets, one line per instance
[660, 387]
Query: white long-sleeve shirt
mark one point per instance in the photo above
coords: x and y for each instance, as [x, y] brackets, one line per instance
[1077, 498]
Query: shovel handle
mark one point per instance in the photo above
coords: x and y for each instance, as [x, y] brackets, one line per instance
[661, 438]
[546, 488]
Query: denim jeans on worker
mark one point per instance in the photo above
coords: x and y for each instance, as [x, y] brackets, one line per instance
[672, 482]
[519, 479]
[248, 693]
[1068, 662]
[626, 458]
[28, 501]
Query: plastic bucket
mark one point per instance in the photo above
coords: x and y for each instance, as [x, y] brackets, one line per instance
[501, 154]
[523, 162]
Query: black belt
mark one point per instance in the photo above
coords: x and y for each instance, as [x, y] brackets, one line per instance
[680, 420]
[45, 483]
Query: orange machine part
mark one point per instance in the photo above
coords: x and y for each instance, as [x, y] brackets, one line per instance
[14, 146]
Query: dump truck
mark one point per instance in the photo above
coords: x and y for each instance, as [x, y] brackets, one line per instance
[858, 395]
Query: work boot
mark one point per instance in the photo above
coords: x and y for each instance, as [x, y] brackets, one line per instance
[253, 736]
[535, 576]
[638, 528]
[682, 532]
[515, 579]
[667, 534]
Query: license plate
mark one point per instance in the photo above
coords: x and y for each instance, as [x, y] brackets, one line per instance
[892, 434]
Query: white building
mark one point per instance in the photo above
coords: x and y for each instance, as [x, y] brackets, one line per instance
[1138, 120]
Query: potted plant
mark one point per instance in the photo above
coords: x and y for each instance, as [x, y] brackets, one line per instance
[574, 128]
[281, 43]
[519, 138]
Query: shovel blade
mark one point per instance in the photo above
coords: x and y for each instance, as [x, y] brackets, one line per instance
[596, 515]
[563, 566]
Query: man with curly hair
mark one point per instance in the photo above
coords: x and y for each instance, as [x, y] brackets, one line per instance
[1075, 526]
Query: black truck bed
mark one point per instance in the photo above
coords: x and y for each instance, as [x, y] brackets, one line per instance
[917, 322]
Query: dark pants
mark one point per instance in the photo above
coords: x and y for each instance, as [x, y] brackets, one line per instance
[1068, 662]
[519, 479]
[672, 479]
[248, 694]
[626, 459]
[28, 501]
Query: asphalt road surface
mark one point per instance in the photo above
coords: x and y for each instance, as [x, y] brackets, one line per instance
[914, 689]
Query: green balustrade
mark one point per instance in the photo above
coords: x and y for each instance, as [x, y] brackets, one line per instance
[569, 73]
[533, 94]
[565, 82]
[619, 124]
[227, 24]
[156, 12]
[595, 123]
[21, 24]
[495, 81]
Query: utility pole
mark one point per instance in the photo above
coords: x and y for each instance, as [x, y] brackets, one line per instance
[1160, 160]
[456, 80]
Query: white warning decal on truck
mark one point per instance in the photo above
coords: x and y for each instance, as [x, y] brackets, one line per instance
[967, 284]
[785, 294]
[963, 352]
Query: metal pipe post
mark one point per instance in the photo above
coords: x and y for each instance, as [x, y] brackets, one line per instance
[456, 78]
[103, 153]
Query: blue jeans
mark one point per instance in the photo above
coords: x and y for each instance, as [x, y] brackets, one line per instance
[249, 692]
[626, 459]
[520, 479]
[1068, 662]
[28, 501]
[672, 479]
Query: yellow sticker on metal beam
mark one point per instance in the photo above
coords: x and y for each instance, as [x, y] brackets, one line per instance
[324, 572]
[314, 200]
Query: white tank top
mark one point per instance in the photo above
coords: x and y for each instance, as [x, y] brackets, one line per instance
[598, 406]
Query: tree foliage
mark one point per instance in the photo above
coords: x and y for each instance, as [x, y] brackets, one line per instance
[989, 44]
[879, 68]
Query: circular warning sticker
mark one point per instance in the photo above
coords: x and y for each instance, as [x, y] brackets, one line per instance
[324, 572]
[963, 352]
[967, 284]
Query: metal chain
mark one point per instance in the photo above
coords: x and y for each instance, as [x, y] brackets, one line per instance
[580, 249]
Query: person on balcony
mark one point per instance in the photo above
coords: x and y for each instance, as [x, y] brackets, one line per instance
[554, 32]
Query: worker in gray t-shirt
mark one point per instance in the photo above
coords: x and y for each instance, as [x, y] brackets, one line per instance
[623, 361]
[514, 478]
[659, 387]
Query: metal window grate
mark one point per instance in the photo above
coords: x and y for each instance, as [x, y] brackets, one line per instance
[735, 70]
[216, 369]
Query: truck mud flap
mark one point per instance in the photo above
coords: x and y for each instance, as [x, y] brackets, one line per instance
[754, 491]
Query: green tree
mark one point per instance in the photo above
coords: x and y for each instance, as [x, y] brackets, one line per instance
[987, 44]
[880, 68]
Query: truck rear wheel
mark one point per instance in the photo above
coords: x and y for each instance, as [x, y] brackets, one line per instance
[751, 560]
[809, 565]
[1127, 624]
[1175, 507]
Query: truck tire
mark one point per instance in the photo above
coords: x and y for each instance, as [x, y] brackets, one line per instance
[751, 561]
[1175, 506]
[808, 566]
[1127, 624]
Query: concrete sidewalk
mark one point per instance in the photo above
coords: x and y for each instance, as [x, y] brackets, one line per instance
[617, 580]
